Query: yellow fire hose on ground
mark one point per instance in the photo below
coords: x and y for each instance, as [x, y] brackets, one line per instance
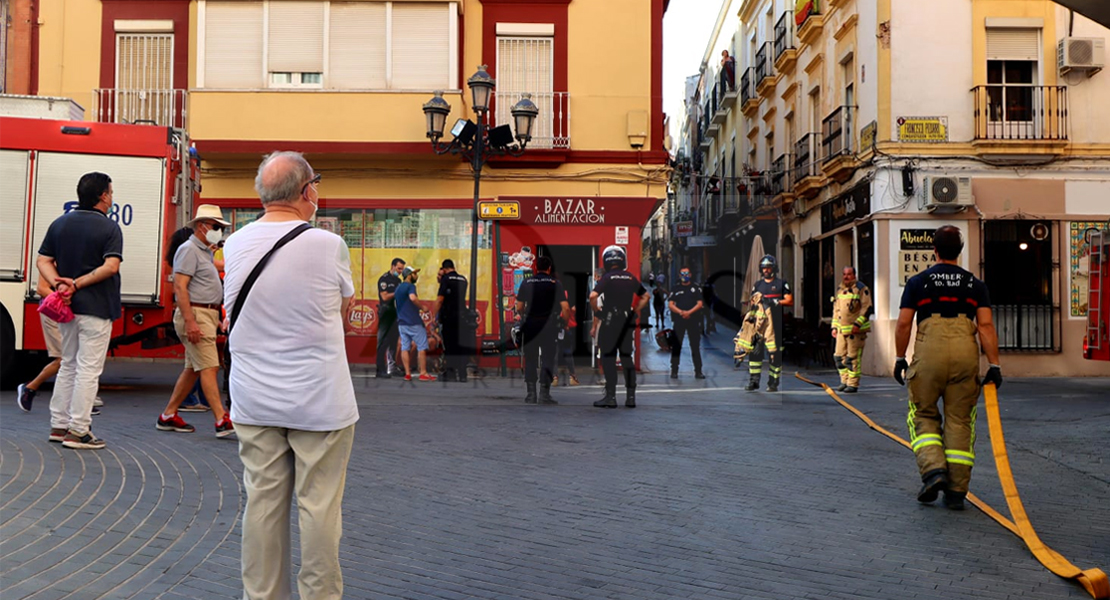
[1093, 580]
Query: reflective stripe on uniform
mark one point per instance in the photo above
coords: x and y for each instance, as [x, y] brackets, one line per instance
[926, 439]
[960, 457]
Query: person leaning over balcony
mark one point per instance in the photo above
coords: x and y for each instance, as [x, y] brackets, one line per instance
[294, 403]
[850, 325]
[951, 306]
[80, 257]
[199, 294]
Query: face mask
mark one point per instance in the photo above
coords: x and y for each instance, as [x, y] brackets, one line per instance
[685, 277]
[213, 237]
[315, 207]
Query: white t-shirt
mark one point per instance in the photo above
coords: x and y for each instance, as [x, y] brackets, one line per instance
[288, 356]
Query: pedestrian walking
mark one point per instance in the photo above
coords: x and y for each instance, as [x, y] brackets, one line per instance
[542, 304]
[951, 306]
[850, 326]
[658, 303]
[199, 295]
[193, 402]
[80, 257]
[294, 403]
[387, 318]
[686, 306]
[414, 335]
[450, 309]
[614, 299]
[775, 294]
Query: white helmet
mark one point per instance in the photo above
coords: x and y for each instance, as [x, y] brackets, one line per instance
[614, 256]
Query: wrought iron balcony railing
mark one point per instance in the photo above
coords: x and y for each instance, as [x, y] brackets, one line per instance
[552, 126]
[780, 175]
[1021, 112]
[784, 33]
[162, 107]
[805, 157]
[836, 133]
[747, 85]
[763, 66]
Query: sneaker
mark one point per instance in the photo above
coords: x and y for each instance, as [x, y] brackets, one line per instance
[95, 411]
[574, 380]
[82, 442]
[175, 423]
[198, 407]
[97, 401]
[426, 377]
[25, 396]
[224, 428]
[408, 377]
[57, 435]
[555, 381]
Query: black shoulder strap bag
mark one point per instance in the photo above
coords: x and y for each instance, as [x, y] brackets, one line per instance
[247, 285]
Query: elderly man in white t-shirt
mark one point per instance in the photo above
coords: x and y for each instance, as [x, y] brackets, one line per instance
[293, 403]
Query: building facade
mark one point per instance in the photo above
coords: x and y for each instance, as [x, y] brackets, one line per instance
[866, 124]
[344, 82]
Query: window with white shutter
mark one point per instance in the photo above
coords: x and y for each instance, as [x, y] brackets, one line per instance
[1013, 44]
[357, 45]
[420, 45]
[295, 43]
[233, 45]
[527, 64]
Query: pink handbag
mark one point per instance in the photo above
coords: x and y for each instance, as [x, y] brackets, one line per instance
[53, 307]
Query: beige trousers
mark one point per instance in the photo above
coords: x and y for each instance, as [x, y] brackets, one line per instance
[849, 351]
[278, 463]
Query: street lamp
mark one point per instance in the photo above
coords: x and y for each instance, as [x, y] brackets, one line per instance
[478, 142]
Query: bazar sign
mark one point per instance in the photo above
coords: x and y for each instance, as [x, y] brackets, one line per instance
[683, 228]
[597, 210]
[923, 129]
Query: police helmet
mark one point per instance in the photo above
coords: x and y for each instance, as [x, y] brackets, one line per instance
[768, 261]
[614, 257]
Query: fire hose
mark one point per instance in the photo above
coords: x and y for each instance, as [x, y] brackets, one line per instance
[1093, 580]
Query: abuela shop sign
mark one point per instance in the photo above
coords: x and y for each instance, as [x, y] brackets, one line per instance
[915, 252]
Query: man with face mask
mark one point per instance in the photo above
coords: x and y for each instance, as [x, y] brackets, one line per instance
[199, 294]
[686, 306]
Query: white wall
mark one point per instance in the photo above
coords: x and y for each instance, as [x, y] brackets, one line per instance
[1087, 97]
[931, 67]
[894, 248]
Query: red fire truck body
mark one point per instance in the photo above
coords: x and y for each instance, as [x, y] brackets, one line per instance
[155, 184]
[1096, 344]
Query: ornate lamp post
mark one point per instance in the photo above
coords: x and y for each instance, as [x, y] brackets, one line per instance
[478, 142]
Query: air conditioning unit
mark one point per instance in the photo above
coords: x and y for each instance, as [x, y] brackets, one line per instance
[1080, 54]
[948, 193]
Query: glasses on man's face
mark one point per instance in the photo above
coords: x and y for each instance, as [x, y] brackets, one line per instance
[304, 189]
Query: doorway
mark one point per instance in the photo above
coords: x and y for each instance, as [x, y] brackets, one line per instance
[574, 266]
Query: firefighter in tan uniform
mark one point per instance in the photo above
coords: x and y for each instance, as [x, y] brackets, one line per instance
[951, 306]
[850, 326]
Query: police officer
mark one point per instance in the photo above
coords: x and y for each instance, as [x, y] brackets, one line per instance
[387, 316]
[686, 304]
[951, 306]
[850, 325]
[543, 303]
[450, 307]
[776, 294]
[612, 298]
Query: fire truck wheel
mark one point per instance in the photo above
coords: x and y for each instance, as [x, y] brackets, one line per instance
[7, 348]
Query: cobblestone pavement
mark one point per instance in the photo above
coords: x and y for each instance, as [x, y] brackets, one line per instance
[462, 491]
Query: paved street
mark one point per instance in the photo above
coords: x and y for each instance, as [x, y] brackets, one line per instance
[462, 491]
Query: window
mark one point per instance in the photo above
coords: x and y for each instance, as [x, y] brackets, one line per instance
[1012, 60]
[328, 45]
[1018, 272]
[144, 79]
[527, 64]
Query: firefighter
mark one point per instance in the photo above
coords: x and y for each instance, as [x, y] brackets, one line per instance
[612, 298]
[951, 306]
[775, 294]
[686, 307]
[542, 302]
[850, 326]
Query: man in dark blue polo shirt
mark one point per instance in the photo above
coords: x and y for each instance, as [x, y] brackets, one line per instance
[80, 257]
[542, 301]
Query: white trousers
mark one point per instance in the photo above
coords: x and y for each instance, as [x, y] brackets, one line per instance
[84, 348]
[278, 463]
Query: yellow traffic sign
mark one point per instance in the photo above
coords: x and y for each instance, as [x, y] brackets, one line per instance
[499, 210]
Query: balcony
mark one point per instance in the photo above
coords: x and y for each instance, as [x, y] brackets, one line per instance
[760, 199]
[781, 180]
[1020, 119]
[811, 26]
[765, 70]
[552, 127]
[729, 91]
[162, 107]
[786, 55]
[808, 178]
[721, 114]
[749, 100]
[838, 157]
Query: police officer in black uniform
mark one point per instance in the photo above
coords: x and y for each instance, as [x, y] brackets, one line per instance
[451, 310]
[543, 304]
[686, 306]
[776, 294]
[387, 315]
[612, 299]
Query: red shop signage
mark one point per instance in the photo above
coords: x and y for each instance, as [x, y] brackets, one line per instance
[603, 211]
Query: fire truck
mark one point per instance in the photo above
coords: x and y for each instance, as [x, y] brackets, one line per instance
[1096, 344]
[155, 180]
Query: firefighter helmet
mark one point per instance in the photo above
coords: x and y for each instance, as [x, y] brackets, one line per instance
[769, 261]
[614, 257]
